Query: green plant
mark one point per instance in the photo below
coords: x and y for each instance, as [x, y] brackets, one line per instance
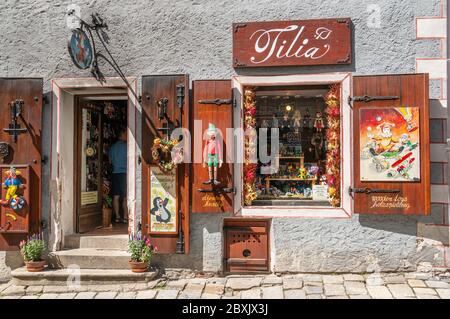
[32, 248]
[107, 201]
[140, 248]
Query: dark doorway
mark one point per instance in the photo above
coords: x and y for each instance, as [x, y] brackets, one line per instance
[99, 123]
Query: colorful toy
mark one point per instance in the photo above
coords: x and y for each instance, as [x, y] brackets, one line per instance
[318, 122]
[12, 184]
[302, 173]
[212, 155]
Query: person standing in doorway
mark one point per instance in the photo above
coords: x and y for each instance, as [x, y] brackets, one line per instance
[118, 157]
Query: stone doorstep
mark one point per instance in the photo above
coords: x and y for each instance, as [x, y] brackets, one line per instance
[60, 277]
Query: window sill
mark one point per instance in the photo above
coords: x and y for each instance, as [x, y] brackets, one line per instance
[300, 212]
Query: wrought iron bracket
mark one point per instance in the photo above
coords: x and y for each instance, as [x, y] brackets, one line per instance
[14, 128]
[162, 107]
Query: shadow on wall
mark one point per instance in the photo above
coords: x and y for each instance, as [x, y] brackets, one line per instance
[427, 227]
[206, 246]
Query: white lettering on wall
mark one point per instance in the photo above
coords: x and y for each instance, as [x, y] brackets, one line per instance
[268, 44]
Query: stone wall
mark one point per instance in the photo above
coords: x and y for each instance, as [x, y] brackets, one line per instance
[194, 37]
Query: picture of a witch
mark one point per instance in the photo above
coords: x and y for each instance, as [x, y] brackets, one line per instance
[160, 211]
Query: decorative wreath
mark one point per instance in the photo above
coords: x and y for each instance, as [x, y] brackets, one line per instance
[249, 167]
[162, 153]
[332, 99]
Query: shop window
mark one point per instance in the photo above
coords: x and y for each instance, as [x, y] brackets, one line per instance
[304, 122]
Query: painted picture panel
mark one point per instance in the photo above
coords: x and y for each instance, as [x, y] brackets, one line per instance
[163, 200]
[389, 144]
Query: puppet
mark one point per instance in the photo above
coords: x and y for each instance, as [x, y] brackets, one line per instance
[212, 155]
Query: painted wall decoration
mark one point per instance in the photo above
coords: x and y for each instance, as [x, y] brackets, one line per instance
[163, 201]
[389, 144]
[13, 184]
[80, 49]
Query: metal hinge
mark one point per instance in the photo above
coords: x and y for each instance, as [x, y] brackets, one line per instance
[369, 98]
[218, 190]
[180, 95]
[369, 191]
[217, 102]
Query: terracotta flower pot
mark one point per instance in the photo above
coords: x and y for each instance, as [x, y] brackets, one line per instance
[35, 266]
[107, 213]
[138, 266]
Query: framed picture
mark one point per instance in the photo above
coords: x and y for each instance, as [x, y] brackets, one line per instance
[163, 202]
[389, 144]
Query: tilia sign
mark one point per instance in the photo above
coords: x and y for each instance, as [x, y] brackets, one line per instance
[287, 43]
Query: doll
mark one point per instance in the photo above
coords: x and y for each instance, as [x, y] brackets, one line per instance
[318, 122]
[12, 184]
[306, 119]
[274, 123]
[212, 155]
[297, 120]
[317, 142]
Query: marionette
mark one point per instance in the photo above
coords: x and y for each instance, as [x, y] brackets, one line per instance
[317, 142]
[212, 155]
[318, 122]
[12, 183]
[297, 120]
[306, 119]
[274, 121]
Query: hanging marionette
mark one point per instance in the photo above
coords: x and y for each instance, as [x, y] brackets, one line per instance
[12, 183]
[212, 155]
[318, 122]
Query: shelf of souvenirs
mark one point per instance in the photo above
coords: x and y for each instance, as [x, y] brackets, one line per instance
[284, 197]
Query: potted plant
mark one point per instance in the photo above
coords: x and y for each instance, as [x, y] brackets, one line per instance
[107, 211]
[141, 252]
[32, 250]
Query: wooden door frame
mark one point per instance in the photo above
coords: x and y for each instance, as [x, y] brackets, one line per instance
[61, 89]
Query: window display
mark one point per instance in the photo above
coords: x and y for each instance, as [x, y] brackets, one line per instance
[307, 166]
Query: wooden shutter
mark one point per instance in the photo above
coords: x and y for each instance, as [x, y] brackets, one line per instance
[175, 89]
[25, 154]
[408, 192]
[212, 104]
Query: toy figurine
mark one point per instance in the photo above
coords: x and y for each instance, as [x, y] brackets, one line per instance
[317, 142]
[306, 119]
[302, 173]
[274, 123]
[212, 155]
[318, 122]
[297, 120]
[12, 184]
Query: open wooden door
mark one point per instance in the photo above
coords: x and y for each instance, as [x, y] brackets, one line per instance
[20, 146]
[89, 166]
[165, 194]
[213, 109]
[391, 144]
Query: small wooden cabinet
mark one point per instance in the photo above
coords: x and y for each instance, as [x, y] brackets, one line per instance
[246, 245]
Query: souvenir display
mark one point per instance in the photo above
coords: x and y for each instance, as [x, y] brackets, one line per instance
[305, 148]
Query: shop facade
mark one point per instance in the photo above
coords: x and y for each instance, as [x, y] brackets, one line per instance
[357, 181]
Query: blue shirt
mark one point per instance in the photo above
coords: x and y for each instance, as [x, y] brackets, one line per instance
[118, 156]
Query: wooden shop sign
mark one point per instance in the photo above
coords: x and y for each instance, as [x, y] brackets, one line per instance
[288, 43]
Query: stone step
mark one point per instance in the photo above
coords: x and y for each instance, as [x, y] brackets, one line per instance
[119, 242]
[89, 258]
[59, 277]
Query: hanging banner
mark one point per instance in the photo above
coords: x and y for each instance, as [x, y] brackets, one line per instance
[163, 201]
[288, 43]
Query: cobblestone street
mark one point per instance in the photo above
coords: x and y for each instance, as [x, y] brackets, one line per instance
[299, 286]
